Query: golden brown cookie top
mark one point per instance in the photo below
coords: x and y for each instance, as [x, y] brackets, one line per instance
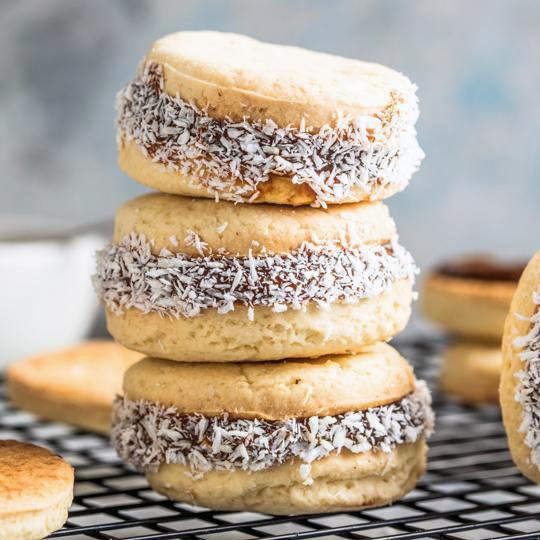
[170, 221]
[31, 478]
[237, 76]
[275, 390]
[91, 372]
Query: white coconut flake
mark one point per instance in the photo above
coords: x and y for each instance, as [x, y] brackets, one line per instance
[147, 434]
[221, 228]
[192, 239]
[528, 388]
[231, 159]
[128, 275]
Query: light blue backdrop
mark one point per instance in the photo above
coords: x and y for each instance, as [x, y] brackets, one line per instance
[477, 65]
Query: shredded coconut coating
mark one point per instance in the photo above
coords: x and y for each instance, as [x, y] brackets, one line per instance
[233, 158]
[128, 275]
[147, 434]
[528, 389]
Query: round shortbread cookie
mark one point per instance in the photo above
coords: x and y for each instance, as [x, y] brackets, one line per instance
[275, 390]
[189, 280]
[36, 490]
[470, 297]
[520, 399]
[277, 437]
[341, 483]
[472, 371]
[222, 115]
[170, 222]
[75, 385]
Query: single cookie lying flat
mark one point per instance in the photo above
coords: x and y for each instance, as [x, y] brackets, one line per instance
[36, 490]
[75, 385]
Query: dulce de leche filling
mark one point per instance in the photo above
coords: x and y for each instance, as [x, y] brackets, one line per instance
[224, 156]
[147, 434]
[129, 275]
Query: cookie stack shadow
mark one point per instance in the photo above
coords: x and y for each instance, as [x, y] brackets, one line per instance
[470, 298]
[264, 278]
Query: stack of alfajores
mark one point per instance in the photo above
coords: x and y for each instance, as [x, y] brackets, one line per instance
[264, 279]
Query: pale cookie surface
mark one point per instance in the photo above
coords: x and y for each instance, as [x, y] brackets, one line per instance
[471, 371]
[278, 390]
[36, 490]
[169, 222]
[288, 80]
[470, 297]
[75, 385]
[343, 482]
[224, 116]
[233, 337]
[520, 400]
[234, 279]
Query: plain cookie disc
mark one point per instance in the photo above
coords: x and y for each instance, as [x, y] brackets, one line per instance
[75, 385]
[36, 490]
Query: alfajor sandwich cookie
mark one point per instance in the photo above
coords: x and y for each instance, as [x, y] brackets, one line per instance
[471, 371]
[338, 433]
[190, 280]
[520, 392]
[227, 117]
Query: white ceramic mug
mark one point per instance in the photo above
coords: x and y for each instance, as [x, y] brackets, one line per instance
[46, 298]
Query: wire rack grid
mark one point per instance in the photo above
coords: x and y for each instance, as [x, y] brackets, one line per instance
[472, 489]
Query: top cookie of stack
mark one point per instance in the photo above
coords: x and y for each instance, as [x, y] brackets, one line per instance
[228, 117]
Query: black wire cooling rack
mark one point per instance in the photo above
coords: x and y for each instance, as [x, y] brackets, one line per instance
[471, 491]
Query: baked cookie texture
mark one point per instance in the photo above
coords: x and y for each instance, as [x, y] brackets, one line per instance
[275, 390]
[471, 371]
[170, 222]
[340, 482]
[341, 432]
[212, 337]
[189, 280]
[75, 385]
[519, 397]
[225, 116]
[470, 298]
[36, 490]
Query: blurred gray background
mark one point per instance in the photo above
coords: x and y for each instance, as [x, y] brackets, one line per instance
[477, 65]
